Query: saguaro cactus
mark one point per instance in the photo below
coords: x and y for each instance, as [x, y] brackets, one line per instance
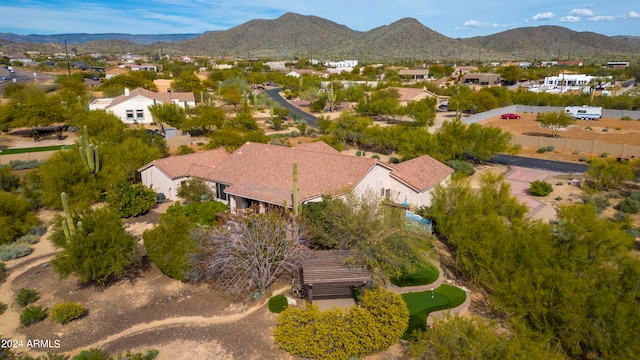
[295, 189]
[331, 97]
[88, 153]
[67, 223]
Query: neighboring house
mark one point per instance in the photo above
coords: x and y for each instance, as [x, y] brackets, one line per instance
[416, 94]
[618, 64]
[115, 71]
[299, 72]
[132, 107]
[482, 79]
[260, 176]
[414, 75]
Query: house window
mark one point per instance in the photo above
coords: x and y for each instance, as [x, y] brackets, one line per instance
[129, 115]
[140, 115]
[387, 194]
[220, 194]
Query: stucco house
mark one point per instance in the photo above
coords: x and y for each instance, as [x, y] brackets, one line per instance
[260, 176]
[132, 107]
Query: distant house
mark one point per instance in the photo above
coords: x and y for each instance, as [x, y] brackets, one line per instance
[259, 176]
[414, 75]
[115, 71]
[570, 63]
[415, 94]
[482, 79]
[299, 72]
[618, 64]
[132, 107]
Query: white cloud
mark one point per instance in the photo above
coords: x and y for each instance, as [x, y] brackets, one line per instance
[581, 12]
[601, 18]
[634, 15]
[479, 24]
[543, 16]
[570, 18]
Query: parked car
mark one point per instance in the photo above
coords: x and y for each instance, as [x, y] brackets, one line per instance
[510, 116]
[5, 78]
[443, 107]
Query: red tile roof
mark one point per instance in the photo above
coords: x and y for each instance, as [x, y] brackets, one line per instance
[165, 98]
[421, 173]
[196, 164]
[265, 172]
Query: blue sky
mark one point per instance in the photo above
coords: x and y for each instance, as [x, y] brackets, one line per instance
[452, 18]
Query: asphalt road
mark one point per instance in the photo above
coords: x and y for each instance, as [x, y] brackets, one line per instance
[294, 112]
[532, 163]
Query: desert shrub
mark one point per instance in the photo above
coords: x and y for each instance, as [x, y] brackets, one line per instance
[558, 198]
[3, 272]
[375, 156]
[14, 251]
[170, 245]
[3, 307]
[185, 149]
[604, 155]
[32, 314]
[600, 202]
[201, 213]
[130, 200]
[394, 160]
[278, 303]
[626, 118]
[517, 146]
[549, 148]
[559, 183]
[91, 354]
[629, 206]
[541, 150]
[26, 297]
[378, 323]
[618, 127]
[583, 159]
[64, 312]
[605, 130]
[25, 164]
[462, 167]
[37, 230]
[540, 188]
[588, 128]
[28, 239]
[576, 152]
[360, 153]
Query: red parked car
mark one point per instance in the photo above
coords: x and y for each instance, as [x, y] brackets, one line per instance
[510, 116]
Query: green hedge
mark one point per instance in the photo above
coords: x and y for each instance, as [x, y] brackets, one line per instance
[278, 304]
[373, 326]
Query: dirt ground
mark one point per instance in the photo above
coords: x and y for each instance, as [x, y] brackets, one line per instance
[146, 310]
[617, 132]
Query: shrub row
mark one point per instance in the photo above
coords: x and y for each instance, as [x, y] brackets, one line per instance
[378, 323]
[14, 251]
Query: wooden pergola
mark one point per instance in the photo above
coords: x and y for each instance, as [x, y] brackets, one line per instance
[325, 275]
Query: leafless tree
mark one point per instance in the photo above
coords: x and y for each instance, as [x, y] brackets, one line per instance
[249, 253]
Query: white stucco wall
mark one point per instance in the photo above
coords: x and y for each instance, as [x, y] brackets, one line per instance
[135, 103]
[374, 182]
[155, 179]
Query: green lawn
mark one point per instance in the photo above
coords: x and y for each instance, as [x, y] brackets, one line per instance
[11, 151]
[421, 304]
[423, 276]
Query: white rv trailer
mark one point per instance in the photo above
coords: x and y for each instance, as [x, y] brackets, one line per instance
[584, 112]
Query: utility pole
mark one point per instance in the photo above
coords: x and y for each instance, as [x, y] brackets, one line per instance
[67, 54]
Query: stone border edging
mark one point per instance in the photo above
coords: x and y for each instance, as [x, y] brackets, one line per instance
[460, 309]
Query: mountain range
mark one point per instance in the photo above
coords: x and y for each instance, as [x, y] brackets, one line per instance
[293, 35]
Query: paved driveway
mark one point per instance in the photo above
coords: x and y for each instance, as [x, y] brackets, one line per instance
[520, 179]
